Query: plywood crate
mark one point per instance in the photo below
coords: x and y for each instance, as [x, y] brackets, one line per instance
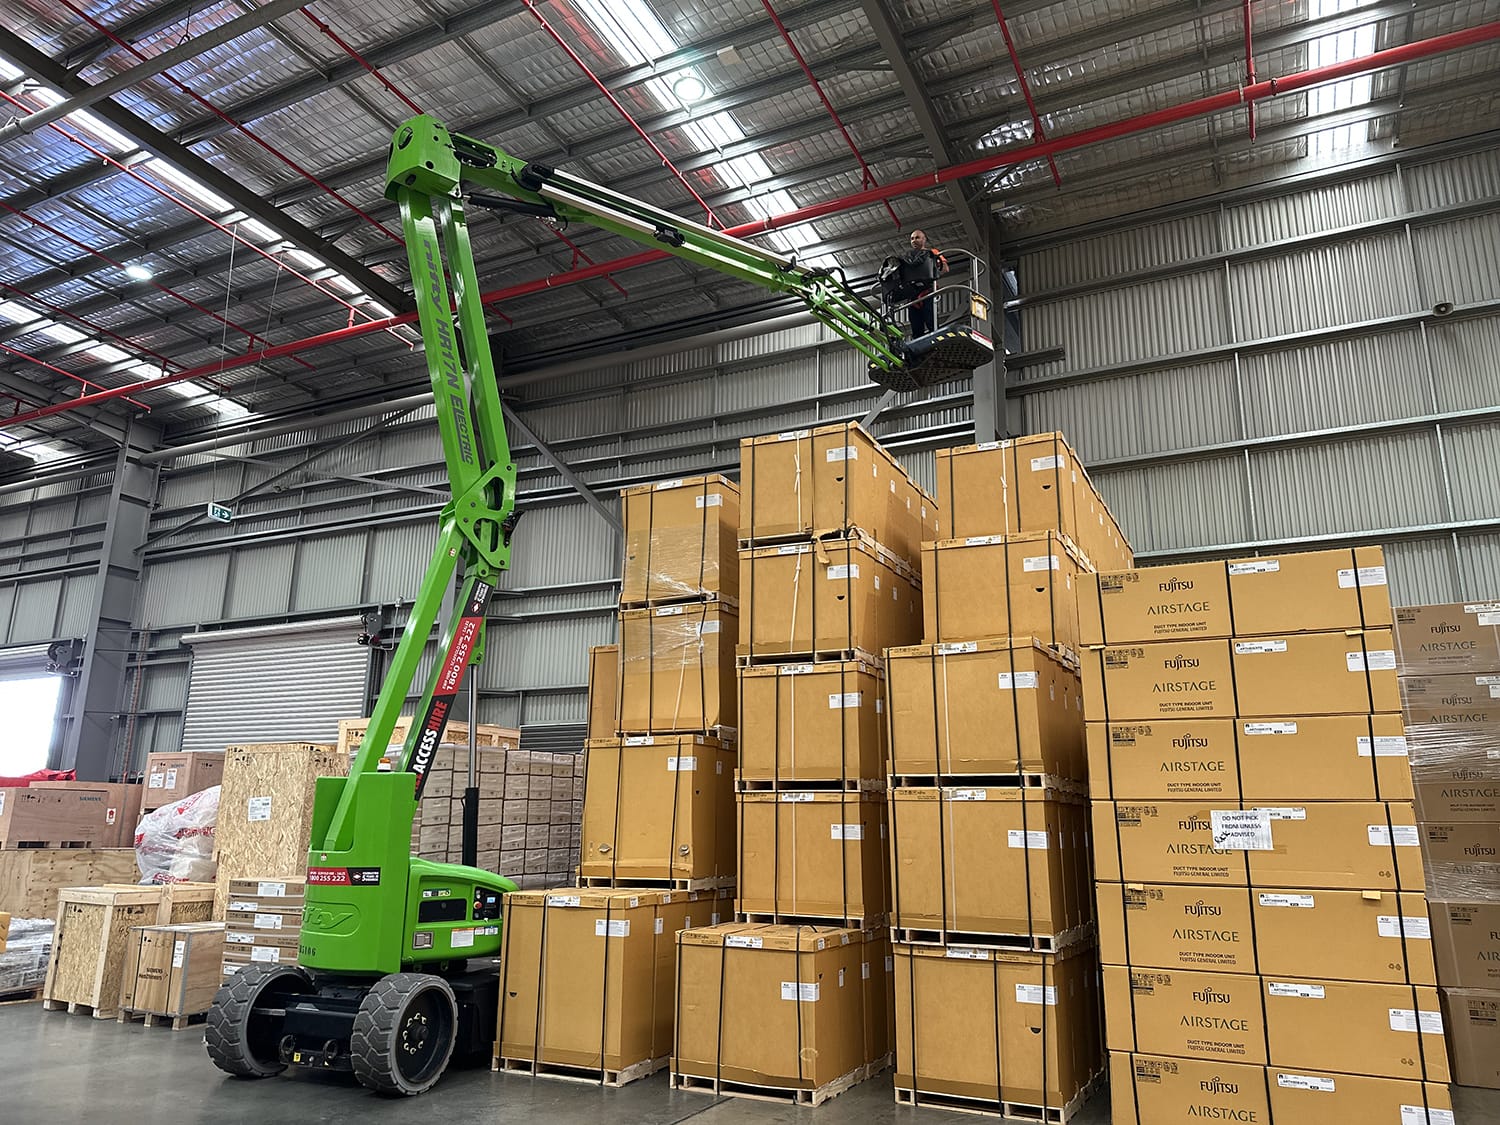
[31, 818]
[172, 776]
[92, 941]
[352, 735]
[265, 808]
[30, 877]
[121, 802]
[171, 971]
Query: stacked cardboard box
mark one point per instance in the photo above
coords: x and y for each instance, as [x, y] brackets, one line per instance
[1264, 932]
[172, 776]
[262, 922]
[1449, 660]
[996, 981]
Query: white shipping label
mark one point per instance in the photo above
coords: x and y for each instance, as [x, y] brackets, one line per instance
[844, 453]
[1041, 562]
[661, 925]
[2, 800]
[1285, 813]
[1036, 994]
[966, 953]
[1495, 691]
[1389, 925]
[155, 781]
[1300, 902]
[1270, 728]
[1241, 830]
[1364, 576]
[243, 904]
[666, 484]
[796, 798]
[179, 954]
[1033, 840]
[890, 963]
[638, 740]
[171, 780]
[1404, 1019]
[685, 763]
[794, 670]
[1259, 566]
[741, 941]
[846, 699]
[1013, 681]
[712, 500]
[706, 627]
[1057, 461]
[239, 939]
[952, 648]
[268, 921]
[461, 939]
[669, 611]
[1386, 746]
[1304, 1082]
[864, 970]
[793, 549]
[265, 953]
[1305, 991]
[846, 831]
[791, 990]
[1376, 660]
[1406, 836]
[844, 570]
[611, 927]
[967, 794]
[792, 435]
[1246, 648]
[563, 900]
[1488, 618]
[983, 540]
[258, 808]
[270, 889]
[1421, 1115]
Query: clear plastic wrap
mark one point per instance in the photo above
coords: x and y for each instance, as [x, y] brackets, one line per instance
[677, 669]
[1453, 739]
[175, 844]
[28, 945]
[681, 541]
[1448, 639]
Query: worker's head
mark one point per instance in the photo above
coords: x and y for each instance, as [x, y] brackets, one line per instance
[919, 240]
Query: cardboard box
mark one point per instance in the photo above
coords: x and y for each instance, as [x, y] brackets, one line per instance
[986, 1026]
[833, 596]
[1155, 1090]
[984, 708]
[173, 776]
[1187, 679]
[173, 970]
[1312, 591]
[812, 723]
[1454, 637]
[677, 668]
[1466, 942]
[1185, 1013]
[657, 808]
[681, 540]
[1033, 483]
[604, 690]
[1306, 757]
[1353, 845]
[1473, 1022]
[830, 480]
[787, 1007]
[1383, 1030]
[122, 805]
[1020, 585]
[36, 818]
[809, 855]
[1378, 936]
[990, 861]
[1462, 860]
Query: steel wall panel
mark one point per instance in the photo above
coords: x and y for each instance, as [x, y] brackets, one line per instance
[1458, 261]
[330, 572]
[77, 611]
[1310, 211]
[1421, 571]
[1473, 457]
[1321, 286]
[556, 709]
[1343, 382]
[1455, 180]
[399, 556]
[1479, 567]
[184, 591]
[7, 606]
[260, 582]
[1466, 363]
[1178, 504]
[1120, 251]
[34, 615]
[561, 543]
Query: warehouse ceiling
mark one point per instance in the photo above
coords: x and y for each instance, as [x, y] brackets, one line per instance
[232, 202]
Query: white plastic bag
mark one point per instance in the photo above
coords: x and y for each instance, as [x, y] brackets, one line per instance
[175, 844]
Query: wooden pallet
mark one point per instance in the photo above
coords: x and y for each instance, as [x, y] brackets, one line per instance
[591, 1075]
[21, 845]
[1025, 943]
[711, 598]
[21, 995]
[787, 1095]
[938, 780]
[706, 883]
[821, 656]
[987, 1107]
[787, 784]
[847, 921]
[157, 1019]
[725, 734]
[99, 1013]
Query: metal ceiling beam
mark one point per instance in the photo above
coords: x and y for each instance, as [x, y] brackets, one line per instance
[31, 60]
[576, 482]
[142, 26]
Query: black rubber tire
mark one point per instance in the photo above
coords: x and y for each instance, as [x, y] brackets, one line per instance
[237, 1044]
[404, 1034]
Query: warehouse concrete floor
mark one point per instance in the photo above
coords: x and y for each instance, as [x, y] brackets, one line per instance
[57, 1069]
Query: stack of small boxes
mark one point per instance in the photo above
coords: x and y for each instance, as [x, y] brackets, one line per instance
[588, 973]
[793, 999]
[1449, 660]
[262, 922]
[997, 1006]
[1265, 937]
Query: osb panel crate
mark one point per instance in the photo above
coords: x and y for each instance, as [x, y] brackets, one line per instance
[265, 808]
[92, 941]
[171, 971]
[352, 735]
[30, 877]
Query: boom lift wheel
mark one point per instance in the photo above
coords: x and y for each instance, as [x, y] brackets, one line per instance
[243, 1029]
[404, 1033]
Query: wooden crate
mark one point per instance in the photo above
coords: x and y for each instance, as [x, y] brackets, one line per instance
[30, 877]
[265, 809]
[92, 940]
[171, 971]
[33, 818]
[171, 776]
[352, 734]
[122, 806]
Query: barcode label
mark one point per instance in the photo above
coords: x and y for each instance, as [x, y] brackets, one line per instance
[1363, 576]
[1386, 746]
[965, 953]
[1300, 902]
[796, 798]
[1041, 562]
[742, 941]
[563, 900]
[983, 540]
[1392, 926]
[1016, 838]
[666, 484]
[705, 627]
[1057, 461]
[846, 831]
[795, 669]
[670, 611]
[234, 938]
[685, 763]
[1036, 994]
[1305, 991]
[270, 889]
[1405, 836]
[844, 453]
[1404, 1019]
[1270, 728]
[611, 927]
[712, 500]
[836, 701]
[954, 647]
[1422, 1115]
[1376, 660]
[845, 570]
[1012, 681]
[1246, 648]
[268, 921]
[265, 953]
[791, 990]
[1304, 1082]
[967, 794]
[1259, 566]
[1285, 813]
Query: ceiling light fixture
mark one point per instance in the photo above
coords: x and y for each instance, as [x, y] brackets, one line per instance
[138, 272]
[688, 89]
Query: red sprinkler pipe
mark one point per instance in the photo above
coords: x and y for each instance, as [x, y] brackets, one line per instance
[1380, 60]
[1249, 68]
[1015, 61]
[65, 374]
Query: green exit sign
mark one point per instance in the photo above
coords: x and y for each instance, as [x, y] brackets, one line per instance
[219, 512]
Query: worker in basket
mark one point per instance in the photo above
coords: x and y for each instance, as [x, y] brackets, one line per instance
[909, 278]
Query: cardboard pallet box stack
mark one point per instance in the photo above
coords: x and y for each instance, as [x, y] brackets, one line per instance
[1449, 660]
[589, 971]
[1265, 936]
[793, 999]
[997, 1004]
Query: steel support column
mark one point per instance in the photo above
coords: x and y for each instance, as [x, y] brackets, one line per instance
[994, 416]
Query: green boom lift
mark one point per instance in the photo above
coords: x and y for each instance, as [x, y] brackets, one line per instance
[395, 971]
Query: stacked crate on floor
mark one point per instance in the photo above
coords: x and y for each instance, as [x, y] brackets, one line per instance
[1265, 935]
[262, 922]
[997, 1005]
[589, 972]
[1449, 660]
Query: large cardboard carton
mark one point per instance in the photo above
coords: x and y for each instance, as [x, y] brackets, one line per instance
[604, 690]
[809, 855]
[812, 723]
[978, 1027]
[122, 805]
[39, 817]
[173, 776]
[1354, 845]
[1187, 679]
[1161, 926]
[1313, 591]
[658, 807]
[1185, 1013]
[1473, 1021]
[1455, 637]
[979, 860]
[1306, 757]
[831, 480]
[677, 668]
[681, 540]
[1002, 586]
[1033, 483]
[1466, 941]
[1462, 859]
[832, 596]
[977, 708]
[173, 970]
[790, 1007]
[1354, 1027]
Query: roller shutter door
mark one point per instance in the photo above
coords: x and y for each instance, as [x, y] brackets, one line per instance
[23, 662]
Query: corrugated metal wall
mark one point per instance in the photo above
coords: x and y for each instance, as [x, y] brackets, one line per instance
[1267, 369]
